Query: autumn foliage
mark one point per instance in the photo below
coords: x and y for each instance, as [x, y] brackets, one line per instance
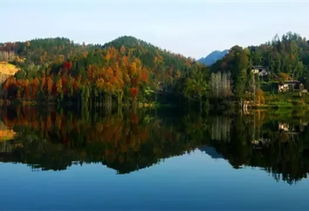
[58, 70]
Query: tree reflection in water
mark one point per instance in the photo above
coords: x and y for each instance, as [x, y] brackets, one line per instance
[54, 140]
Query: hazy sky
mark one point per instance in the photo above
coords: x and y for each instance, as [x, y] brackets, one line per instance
[191, 27]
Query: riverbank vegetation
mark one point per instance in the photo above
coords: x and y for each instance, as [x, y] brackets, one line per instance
[274, 74]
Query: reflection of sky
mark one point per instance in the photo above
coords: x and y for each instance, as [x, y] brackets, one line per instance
[193, 28]
[189, 181]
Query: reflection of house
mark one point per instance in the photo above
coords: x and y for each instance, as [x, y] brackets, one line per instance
[284, 127]
[259, 70]
[291, 129]
[260, 142]
[290, 86]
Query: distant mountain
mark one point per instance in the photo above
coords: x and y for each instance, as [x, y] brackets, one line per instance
[213, 57]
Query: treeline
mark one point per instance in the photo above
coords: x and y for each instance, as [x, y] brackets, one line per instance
[283, 59]
[288, 54]
[230, 75]
[124, 71]
[127, 71]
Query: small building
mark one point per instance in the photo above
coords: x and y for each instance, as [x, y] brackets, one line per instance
[290, 86]
[259, 70]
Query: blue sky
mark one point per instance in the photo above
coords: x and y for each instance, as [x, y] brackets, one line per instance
[190, 27]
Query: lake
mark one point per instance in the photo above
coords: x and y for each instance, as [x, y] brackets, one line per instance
[153, 160]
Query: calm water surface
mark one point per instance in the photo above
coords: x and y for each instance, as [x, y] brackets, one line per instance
[153, 160]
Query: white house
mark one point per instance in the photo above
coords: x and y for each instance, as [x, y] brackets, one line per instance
[260, 70]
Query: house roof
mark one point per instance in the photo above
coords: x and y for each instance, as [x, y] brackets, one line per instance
[258, 67]
[292, 82]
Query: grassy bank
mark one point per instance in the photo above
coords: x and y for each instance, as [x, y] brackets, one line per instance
[290, 100]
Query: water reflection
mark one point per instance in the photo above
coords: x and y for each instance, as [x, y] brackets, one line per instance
[53, 140]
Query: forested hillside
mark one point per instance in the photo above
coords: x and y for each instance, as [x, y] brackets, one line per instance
[127, 71]
[247, 73]
[124, 71]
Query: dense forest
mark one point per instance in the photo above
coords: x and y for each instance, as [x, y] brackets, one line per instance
[283, 60]
[129, 71]
[124, 71]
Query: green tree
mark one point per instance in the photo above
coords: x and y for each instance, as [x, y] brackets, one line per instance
[196, 85]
